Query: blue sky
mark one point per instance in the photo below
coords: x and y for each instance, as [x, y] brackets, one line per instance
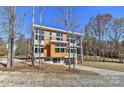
[83, 14]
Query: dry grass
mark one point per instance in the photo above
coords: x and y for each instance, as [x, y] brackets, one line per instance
[45, 68]
[105, 65]
[98, 58]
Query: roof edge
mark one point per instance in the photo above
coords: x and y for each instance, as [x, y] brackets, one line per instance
[55, 29]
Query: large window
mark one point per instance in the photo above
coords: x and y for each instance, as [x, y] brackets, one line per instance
[59, 36]
[57, 49]
[37, 31]
[71, 38]
[60, 47]
[57, 44]
[60, 50]
[39, 34]
[39, 49]
[39, 37]
[42, 38]
[72, 50]
[36, 37]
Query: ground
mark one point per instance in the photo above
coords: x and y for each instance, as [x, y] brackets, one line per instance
[105, 65]
[23, 75]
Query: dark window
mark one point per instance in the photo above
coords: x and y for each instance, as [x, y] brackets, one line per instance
[55, 60]
[36, 37]
[36, 50]
[68, 50]
[59, 34]
[39, 49]
[73, 51]
[42, 37]
[63, 45]
[50, 37]
[57, 44]
[42, 50]
[50, 33]
[37, 31]
[41, 32]
[70, 36]
[59, 38]
[57, 49]
[62, 49]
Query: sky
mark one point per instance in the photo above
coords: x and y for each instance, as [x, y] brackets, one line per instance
[52, 14]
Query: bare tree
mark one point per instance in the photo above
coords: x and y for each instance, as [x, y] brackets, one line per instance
[65, 21]
[10, 25]
[73, 25]
[99, 26]
[11, 37]
[41, 16]
[32, 37]
[116, 34]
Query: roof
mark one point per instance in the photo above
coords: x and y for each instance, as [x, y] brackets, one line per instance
[55, 29]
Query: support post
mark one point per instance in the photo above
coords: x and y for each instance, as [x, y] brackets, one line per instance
[81, 49]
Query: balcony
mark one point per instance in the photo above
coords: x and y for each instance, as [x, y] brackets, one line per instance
[57, 41]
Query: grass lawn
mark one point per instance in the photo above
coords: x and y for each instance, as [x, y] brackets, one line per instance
[105, 65]
[45, 68]
[98, 58]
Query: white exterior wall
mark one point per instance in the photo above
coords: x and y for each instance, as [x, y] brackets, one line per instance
[37, 55]
[36, 42]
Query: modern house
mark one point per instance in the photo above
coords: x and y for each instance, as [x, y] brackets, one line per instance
[54, 46]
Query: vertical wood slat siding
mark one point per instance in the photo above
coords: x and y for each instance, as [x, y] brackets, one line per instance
[46, 41]
[49, 50]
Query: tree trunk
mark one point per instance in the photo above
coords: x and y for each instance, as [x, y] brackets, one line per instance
[10, 53]
[11, 38]
[82, 57]
[40, 37]
[32, 37]
[66, 12]
[103, 55]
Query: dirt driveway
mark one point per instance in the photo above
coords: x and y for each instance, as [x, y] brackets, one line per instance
[58, 80]
[45, 78]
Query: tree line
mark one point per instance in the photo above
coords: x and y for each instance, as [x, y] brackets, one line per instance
[104, 37]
